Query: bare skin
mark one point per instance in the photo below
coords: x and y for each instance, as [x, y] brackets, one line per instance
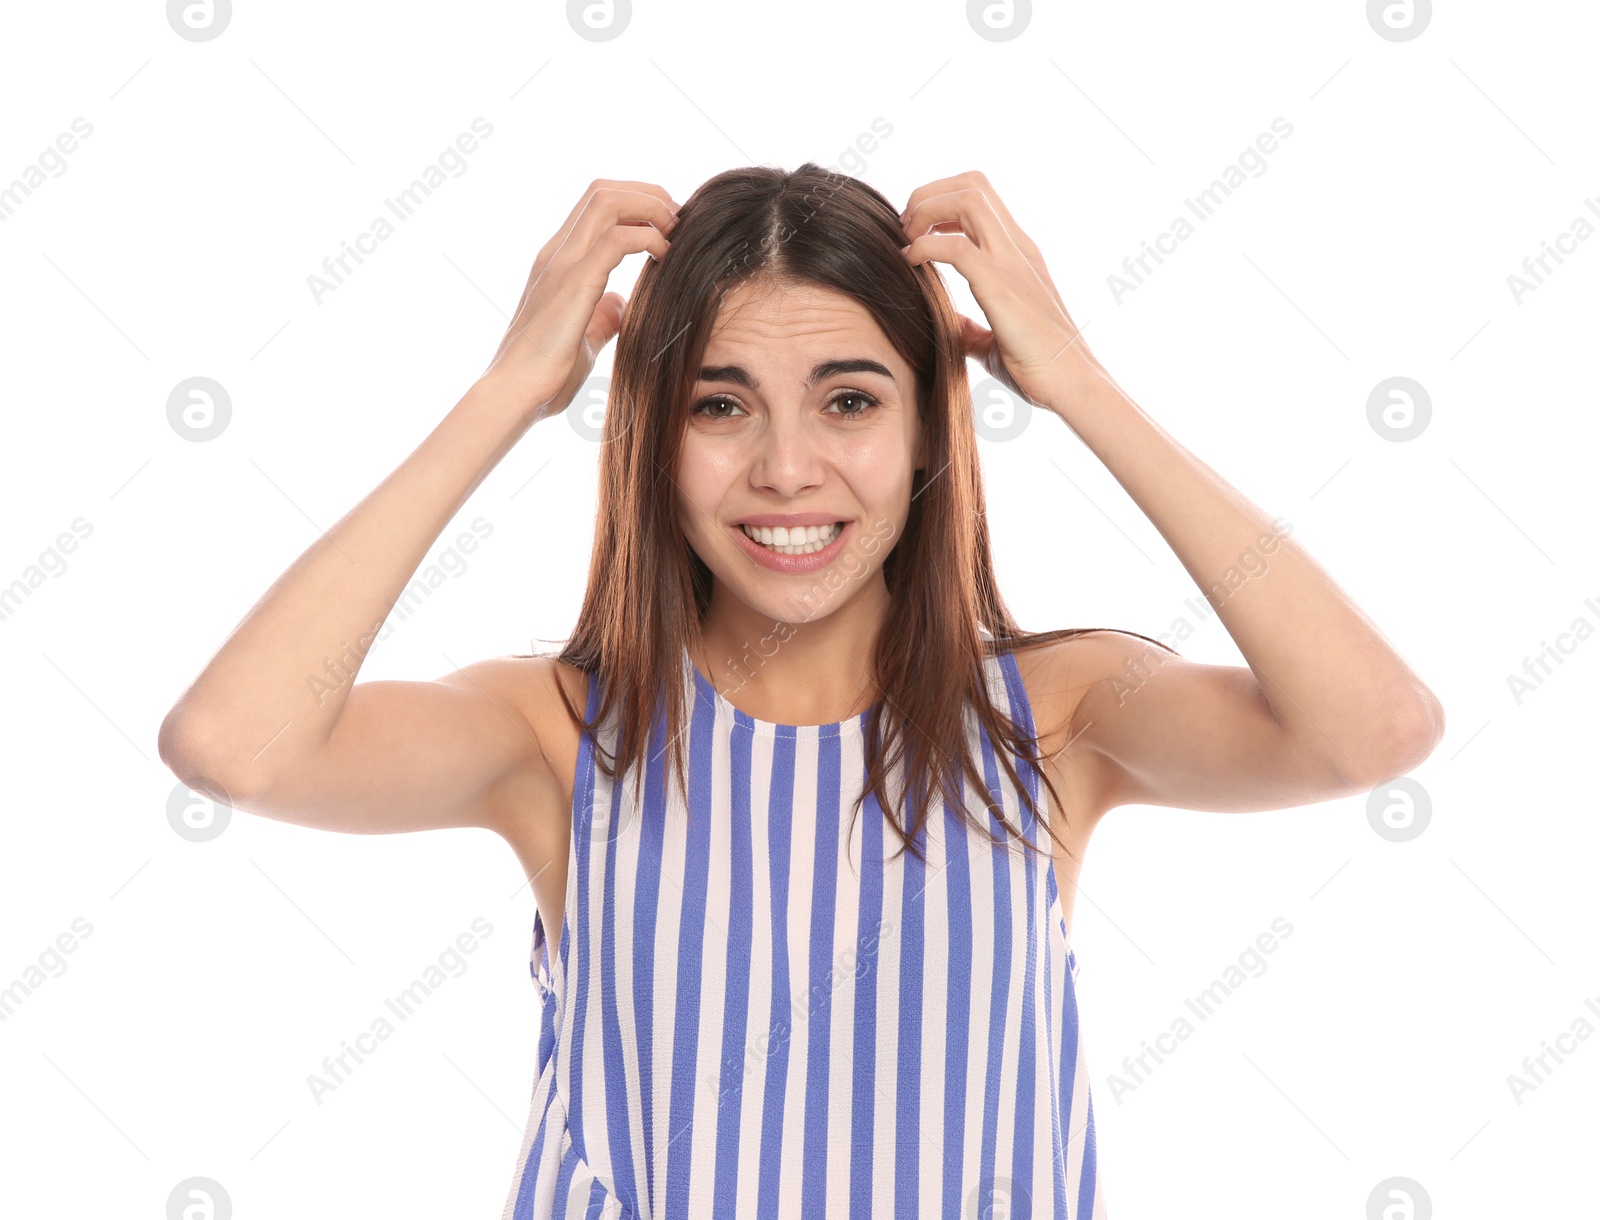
[490, 745]
[764, 437]
[846, 445]
[537, 820]
[259, 730]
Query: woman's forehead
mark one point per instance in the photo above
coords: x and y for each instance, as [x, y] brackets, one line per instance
[784, 329]
[767, 305]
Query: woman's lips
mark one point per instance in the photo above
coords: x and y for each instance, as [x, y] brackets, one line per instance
[778, 562]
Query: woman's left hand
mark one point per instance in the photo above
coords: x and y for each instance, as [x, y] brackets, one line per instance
[1034, 349]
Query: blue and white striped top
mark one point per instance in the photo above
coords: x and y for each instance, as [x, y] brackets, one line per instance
[753, 1013]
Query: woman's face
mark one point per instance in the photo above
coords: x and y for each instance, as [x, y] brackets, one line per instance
[778, 430]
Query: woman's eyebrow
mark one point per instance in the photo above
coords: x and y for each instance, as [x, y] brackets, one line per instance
[739, 375]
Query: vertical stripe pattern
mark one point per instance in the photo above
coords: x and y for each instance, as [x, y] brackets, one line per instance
[754, 1011]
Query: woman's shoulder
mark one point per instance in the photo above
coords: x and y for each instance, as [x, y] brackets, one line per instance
[1058, 667]
[531, 685]
[535, 678]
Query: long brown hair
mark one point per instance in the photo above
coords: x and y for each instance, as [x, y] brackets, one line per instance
[648, 591]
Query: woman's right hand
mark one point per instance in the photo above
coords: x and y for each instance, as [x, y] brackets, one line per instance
[563, 320]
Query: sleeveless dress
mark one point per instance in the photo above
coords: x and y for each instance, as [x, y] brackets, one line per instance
[753, 1012]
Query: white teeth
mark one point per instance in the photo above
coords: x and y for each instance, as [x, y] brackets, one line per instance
[795, 540]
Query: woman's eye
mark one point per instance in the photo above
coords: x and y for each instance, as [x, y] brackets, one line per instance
[700, 408]
[867, 401]
[708, 406]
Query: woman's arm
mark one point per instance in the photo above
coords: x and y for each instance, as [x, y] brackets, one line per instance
[1326, 706]
[262, 727]
[266, 728]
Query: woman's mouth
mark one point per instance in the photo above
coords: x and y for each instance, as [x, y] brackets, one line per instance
[797, 540]
[801, 549]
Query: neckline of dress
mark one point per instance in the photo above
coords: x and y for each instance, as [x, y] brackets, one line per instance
[710, 695]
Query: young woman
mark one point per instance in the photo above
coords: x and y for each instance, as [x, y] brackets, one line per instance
[779, 796]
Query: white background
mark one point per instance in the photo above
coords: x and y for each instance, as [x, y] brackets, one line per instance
[1377, 243]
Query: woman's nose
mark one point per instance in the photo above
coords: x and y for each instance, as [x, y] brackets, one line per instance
[788, 456]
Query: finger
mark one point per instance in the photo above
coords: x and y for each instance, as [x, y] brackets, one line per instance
[943, 186]
[606, 320]
[975, 339]
[608, 206]
[969, 209]
[582, 206]
[976, 330]
[594, 269]
[609, 209]
[957, 249]
[977, 267]
[599, 259]
[599, 184]
[974, 179]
